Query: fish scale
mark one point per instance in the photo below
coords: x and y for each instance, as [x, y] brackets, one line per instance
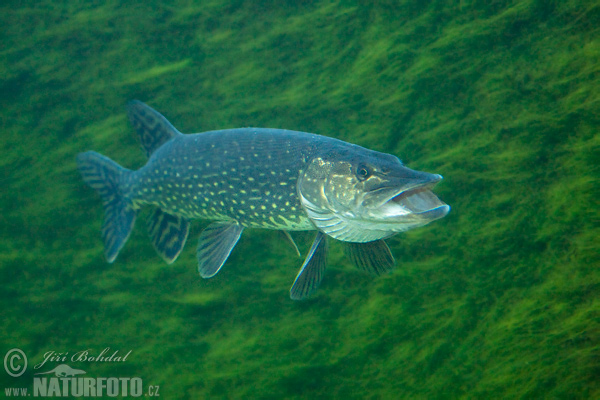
[248, 175]
[260, 178]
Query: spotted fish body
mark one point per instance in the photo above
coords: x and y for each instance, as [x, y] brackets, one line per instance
[247, 175]
[260, 178]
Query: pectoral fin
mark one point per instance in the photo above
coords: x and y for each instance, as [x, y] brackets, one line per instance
[291, 239]
[311, 273]
[168, 234]
[372, 257]
[215, 244]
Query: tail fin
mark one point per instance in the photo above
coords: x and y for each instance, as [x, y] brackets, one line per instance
[104, 175]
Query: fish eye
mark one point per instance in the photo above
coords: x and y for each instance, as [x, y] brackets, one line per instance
[362, 172]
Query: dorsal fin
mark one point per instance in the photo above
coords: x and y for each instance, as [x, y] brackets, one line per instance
[153, 129]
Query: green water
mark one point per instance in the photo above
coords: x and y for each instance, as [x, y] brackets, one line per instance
[500, 299]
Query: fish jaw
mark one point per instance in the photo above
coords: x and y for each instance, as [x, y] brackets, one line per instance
[414, 204]
[351, 209]
[396, 206]
[404, 207]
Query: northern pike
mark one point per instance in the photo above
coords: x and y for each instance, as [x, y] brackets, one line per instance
[260, 178]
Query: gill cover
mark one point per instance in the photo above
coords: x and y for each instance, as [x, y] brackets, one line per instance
[362, 196]
[328, 190]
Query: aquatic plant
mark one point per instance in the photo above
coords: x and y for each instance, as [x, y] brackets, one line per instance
[498, 300]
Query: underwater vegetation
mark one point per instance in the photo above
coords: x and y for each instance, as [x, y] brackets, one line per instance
[500, 299]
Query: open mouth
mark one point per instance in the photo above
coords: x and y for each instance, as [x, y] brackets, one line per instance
[422, 201]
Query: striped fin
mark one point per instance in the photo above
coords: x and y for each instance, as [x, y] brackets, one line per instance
[215, 244]
[373, 257]
[104, 175]
[153, 129]
[311, 273]
[168, 234]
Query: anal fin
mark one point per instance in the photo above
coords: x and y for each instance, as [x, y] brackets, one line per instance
[215, 244]
[168, 234]
[373, 257]
[311, 273]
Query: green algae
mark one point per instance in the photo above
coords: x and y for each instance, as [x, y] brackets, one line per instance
[498, 300]
[155, 72]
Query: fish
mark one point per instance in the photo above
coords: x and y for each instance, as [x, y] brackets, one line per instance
[260, 178]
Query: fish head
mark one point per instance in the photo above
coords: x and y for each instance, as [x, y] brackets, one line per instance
[361, 195]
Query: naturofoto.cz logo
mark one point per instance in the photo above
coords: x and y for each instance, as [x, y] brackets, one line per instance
[60, 386]
[63, 380]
